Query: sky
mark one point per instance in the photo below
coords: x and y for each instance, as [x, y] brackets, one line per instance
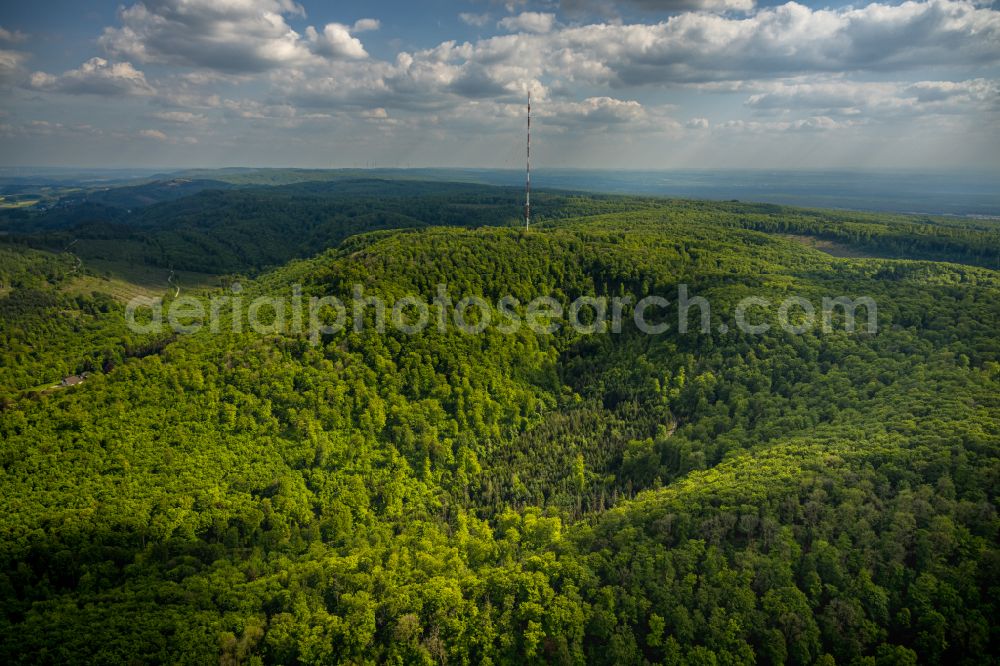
[638, 84]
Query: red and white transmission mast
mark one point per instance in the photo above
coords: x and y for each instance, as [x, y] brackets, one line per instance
[527, 178]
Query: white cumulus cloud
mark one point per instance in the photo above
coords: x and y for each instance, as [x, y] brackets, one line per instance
[97, 76]
[667, 6]
[775, 43]
[234, 36]
[14, 37]
[536, 22]
[180, 117]
[335, 41]
[477, 20]
[878, 99]
[366, 24]
[11, 63]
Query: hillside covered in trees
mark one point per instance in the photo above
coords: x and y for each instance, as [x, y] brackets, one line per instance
[710, 497]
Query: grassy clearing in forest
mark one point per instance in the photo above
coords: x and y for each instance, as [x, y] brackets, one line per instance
[125, 281]
[832, 248]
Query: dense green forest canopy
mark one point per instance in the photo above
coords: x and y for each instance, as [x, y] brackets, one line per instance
[438, 497]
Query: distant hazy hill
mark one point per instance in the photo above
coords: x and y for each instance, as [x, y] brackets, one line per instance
[961, 193]
[137, 196]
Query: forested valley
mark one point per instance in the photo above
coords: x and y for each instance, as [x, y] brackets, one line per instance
[715, 497]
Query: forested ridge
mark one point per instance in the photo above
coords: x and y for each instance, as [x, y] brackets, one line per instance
[226, 228]
[622, 498]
